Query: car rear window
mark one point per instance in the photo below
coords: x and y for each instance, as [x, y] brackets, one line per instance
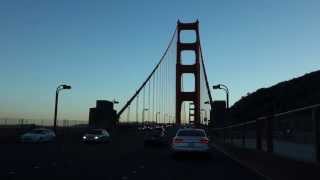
[38, 131]
[191, 133]
[94, 131]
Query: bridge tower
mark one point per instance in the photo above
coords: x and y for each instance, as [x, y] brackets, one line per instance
[193, 69]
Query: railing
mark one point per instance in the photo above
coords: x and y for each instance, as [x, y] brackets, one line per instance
[294, 134]
[44, 123]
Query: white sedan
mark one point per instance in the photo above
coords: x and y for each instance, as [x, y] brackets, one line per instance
[38, 135]
[190, 140]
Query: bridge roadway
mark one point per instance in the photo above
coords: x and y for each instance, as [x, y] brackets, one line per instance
[125, 158]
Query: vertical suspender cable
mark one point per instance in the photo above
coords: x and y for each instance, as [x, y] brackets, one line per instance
[137, 109]
[153, 98]
[149, 102]
[128, 115]
[143, 105]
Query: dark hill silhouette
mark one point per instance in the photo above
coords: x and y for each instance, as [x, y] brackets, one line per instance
[284, 96]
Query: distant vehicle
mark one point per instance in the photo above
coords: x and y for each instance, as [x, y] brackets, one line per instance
[190, 140]
[145, 128]
[96, 135]
[38, 135]
[156, 136]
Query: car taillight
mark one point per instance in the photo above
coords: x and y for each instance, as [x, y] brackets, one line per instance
[177, 140]
[204, 140]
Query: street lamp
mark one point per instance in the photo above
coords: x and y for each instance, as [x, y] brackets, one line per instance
[157, 117]
[225, 88]
[59, 88]
[145, 109]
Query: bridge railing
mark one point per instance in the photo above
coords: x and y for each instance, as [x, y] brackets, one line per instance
[293, 134]
[4, 123]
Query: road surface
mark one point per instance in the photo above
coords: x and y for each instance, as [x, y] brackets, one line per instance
[125, 158]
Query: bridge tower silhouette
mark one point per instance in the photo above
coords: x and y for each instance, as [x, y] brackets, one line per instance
[194, 69]
[162, 97]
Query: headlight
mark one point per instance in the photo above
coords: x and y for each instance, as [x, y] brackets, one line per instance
[96, 137]
[84, 137]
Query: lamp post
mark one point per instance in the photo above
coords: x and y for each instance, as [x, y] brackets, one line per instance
[145, 109]
[59, 88]
[225, 88]
[157, 113]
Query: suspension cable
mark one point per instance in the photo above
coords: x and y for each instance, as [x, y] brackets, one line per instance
[148, 78]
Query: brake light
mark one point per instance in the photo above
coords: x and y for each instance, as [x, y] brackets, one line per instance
[204, 140]
[177, 140]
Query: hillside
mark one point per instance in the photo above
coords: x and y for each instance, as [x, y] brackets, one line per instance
[287, 95]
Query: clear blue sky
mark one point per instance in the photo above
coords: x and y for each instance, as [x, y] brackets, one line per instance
[247, 45]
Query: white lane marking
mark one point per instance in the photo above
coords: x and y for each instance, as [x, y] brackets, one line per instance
[141, 167]
[133, 172]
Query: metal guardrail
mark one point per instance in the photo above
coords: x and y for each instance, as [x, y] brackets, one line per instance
[44, 123]
[294, 133]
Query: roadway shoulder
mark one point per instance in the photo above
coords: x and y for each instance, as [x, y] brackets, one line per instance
[271, 166]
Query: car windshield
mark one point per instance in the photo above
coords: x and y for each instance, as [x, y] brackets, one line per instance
[158, 130]
[191, 133]
[94, 131]
[155, 132]
[38, 131]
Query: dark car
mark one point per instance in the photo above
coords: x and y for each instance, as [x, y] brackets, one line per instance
[96, 136]
[156, 136]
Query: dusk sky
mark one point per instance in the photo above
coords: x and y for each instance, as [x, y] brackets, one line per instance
[105, 49]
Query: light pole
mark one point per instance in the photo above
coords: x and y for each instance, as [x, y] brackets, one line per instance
[59, 88]
[157, 117]
[145, 109]
[225, 88]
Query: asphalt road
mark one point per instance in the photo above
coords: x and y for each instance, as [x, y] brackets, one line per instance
[124, 158]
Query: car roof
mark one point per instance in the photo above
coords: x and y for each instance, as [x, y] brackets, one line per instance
[42, 129]
[190, 129]
[99, 129]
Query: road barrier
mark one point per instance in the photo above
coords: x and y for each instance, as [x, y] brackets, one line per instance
[294, 134]
[43, 123]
